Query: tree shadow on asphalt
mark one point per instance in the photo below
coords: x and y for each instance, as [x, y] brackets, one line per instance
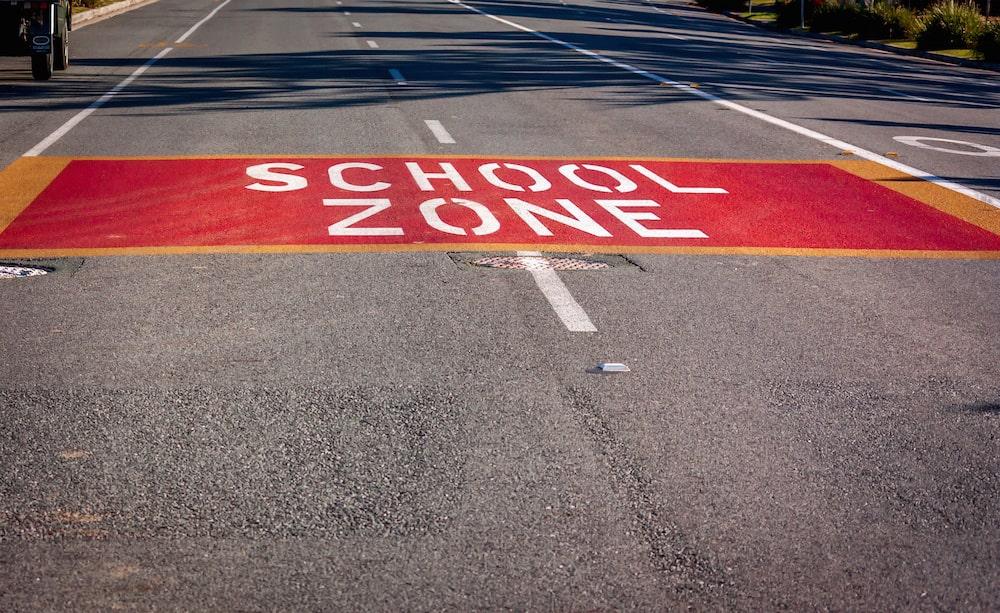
[979, 408]
[723, 56]
[946, 127]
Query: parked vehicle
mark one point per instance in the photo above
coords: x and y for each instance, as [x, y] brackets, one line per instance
[39, 29]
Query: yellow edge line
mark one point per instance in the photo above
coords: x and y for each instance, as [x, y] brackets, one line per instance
[491, 247]
[952, 203]
[22, 182]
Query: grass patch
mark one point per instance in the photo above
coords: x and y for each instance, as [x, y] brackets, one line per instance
[842, 34]
[763, 10]
[763, 16]
[965, 54]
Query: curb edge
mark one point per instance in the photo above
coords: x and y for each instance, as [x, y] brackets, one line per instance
[90, 16]
[934, 57]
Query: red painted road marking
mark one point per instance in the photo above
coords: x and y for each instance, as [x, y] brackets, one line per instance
[601, 204]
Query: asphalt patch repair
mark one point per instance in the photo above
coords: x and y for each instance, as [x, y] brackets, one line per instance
[58, 207]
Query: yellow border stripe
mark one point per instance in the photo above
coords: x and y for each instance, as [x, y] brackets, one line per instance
[23, 181]
[957, 205]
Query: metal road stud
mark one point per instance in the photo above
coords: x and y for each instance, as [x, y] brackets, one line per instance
[611, 367]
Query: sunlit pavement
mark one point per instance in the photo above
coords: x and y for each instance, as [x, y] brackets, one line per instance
[272, 363]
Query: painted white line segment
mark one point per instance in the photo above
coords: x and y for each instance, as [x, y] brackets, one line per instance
[955, 99]
[348, 13]
[566, 307]
[924, 143]
[355, 24]
[372, 44]
[781, 123]
[62, 130]
[96, 104]
[185, 36]
[397, 76]
[902, 95]
[439, 132]
[807, 92]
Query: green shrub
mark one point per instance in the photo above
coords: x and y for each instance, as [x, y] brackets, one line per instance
[950, 25]
[832, 16]
[788, 13]
[918, 6]
[724, 5]
[989, 41]
[886, 20]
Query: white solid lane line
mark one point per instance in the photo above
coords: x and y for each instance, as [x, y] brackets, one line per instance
[96, 104]
[185, 36]
[372, 44]
[62, 130]
[781, 123]
[566, 307]
[439, 132]
[397, 76]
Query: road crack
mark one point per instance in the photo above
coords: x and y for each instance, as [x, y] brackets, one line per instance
[686, 568]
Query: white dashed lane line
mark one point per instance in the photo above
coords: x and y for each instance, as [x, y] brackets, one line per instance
[566, 307]
[372, 44]
[439, 132]
[191, 31]
[355, 24]
[397, 76]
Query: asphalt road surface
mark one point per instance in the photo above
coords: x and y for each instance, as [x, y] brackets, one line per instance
[265, 372]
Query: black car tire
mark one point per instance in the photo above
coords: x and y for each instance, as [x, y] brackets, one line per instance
[60, 52]
[41, 66]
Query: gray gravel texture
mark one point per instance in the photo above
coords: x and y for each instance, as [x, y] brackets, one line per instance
[396, 431]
